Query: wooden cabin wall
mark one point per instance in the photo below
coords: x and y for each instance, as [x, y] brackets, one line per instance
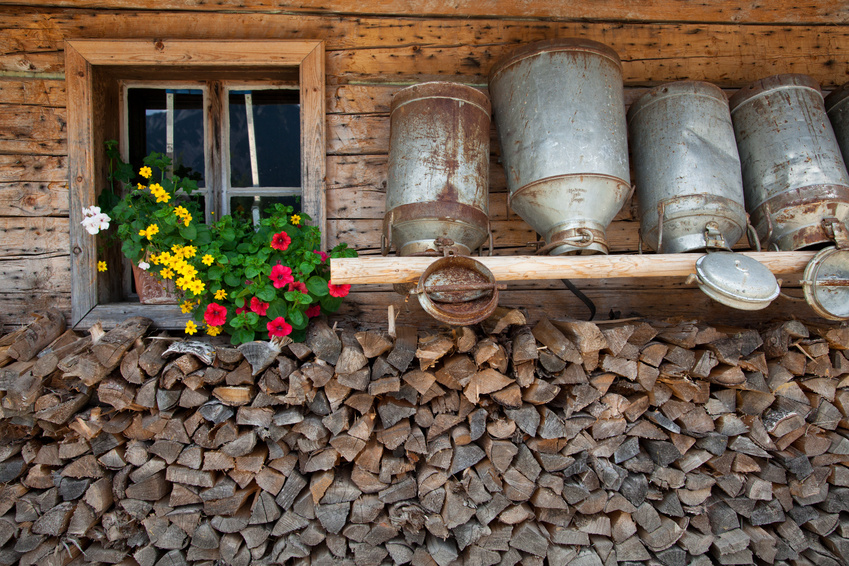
[373, 49]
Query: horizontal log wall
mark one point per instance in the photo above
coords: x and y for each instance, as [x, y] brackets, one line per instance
[373, 50]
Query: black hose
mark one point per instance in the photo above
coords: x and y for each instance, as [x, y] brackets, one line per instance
[584, 299]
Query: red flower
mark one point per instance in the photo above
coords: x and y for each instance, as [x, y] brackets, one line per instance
[281, 275]
[281, 241]
[323, 255]
[279, 327]
[240, 310]
[298, 286]
[338, 290]
[258, 306]
[215, 315]
[313, 310]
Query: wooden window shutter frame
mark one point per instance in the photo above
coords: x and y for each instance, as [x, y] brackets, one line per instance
[90, 68]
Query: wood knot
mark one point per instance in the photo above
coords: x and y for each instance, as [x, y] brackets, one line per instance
[159, 45]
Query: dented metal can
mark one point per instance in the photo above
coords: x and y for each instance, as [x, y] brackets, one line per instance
[560, 115]
[793, 173]
[438, 169]
[837, 109]
[686, 167]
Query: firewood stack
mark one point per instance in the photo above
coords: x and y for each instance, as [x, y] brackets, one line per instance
[619, 443]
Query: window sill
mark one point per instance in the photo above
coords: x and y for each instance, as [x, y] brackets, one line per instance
[111, 314]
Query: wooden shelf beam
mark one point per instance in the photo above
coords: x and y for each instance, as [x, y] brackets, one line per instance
[373, 270]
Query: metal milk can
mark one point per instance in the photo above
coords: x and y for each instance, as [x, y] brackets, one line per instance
[438, 169]
[560, 115]
[837, 108]
[793, 174]
[686, 167]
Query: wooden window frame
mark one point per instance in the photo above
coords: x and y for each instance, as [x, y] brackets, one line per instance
[91, 69]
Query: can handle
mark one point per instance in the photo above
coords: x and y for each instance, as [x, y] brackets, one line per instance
[661, 212]
[752, 235]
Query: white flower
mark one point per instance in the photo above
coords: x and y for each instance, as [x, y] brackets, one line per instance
[94, 220]
[144, 266]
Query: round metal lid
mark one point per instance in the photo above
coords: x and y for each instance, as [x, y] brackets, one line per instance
[772, 83]
[826, 283]
[678, 88]
[573, 44]
[736, 280]
[458, 290]
[441, 89]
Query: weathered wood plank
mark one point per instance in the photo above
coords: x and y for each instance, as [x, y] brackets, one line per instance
[34, 198]
[743, 11]
[33, 168]
[26, 129]
[16, 308]
[21, 236]
[39, 92]
[43, 274]
[417, 49]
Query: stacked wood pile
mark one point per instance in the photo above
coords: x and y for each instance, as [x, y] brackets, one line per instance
[567, 442]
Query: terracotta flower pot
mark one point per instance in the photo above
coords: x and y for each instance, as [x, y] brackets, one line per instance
[152, 291]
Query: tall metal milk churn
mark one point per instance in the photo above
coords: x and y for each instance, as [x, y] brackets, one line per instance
[438, 169]
[686, 168]
[837, 108]
[560, 115]
[690, 189]
[793, 173]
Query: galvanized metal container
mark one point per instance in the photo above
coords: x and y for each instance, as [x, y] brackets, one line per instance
[686, 167]
[560, 115]
[793, 174]
[438, 169]
[837, 108]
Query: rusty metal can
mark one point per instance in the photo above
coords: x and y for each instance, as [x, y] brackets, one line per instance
[793, 174]
[560, 115]
[686, 167]
[438, 169]
[837, 109]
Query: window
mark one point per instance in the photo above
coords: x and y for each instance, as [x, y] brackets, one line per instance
[224, 110]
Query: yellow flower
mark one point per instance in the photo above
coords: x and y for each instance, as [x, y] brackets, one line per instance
[207, 259]
[187, 306]
[180, 211]
[220, 294]
[153, 229]
[189, 251]
[296, 219]
[213, 330]
[166, 274]
[146, 172]
[101, 266]
[189, 271]
[142, 187]
[182, 283]
[191, 327]
[187, 219]
[160, 193]
[197, 286]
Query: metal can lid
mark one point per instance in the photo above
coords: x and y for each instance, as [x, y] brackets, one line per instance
[458, 290]
[826, 283]
[774, 82]
[441, 89]
[692, 88]
[736, 280]
[574, 44]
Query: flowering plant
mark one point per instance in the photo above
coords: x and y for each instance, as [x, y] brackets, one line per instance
[252, 282]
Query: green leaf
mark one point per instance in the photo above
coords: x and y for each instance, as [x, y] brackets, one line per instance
[232, 280]
[266, 294]
[277, 308]
[215, 273]
[242, 336]
[253, 319]
[306, 268]
[204, 236]
[251, 272]
[331, 304]
[297, 319]
[237, 322]
[317, 286]
[228, 234]
[299, 334]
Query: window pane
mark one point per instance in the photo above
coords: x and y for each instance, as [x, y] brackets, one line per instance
[277, 134]
[243, 205]
[148, 125]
